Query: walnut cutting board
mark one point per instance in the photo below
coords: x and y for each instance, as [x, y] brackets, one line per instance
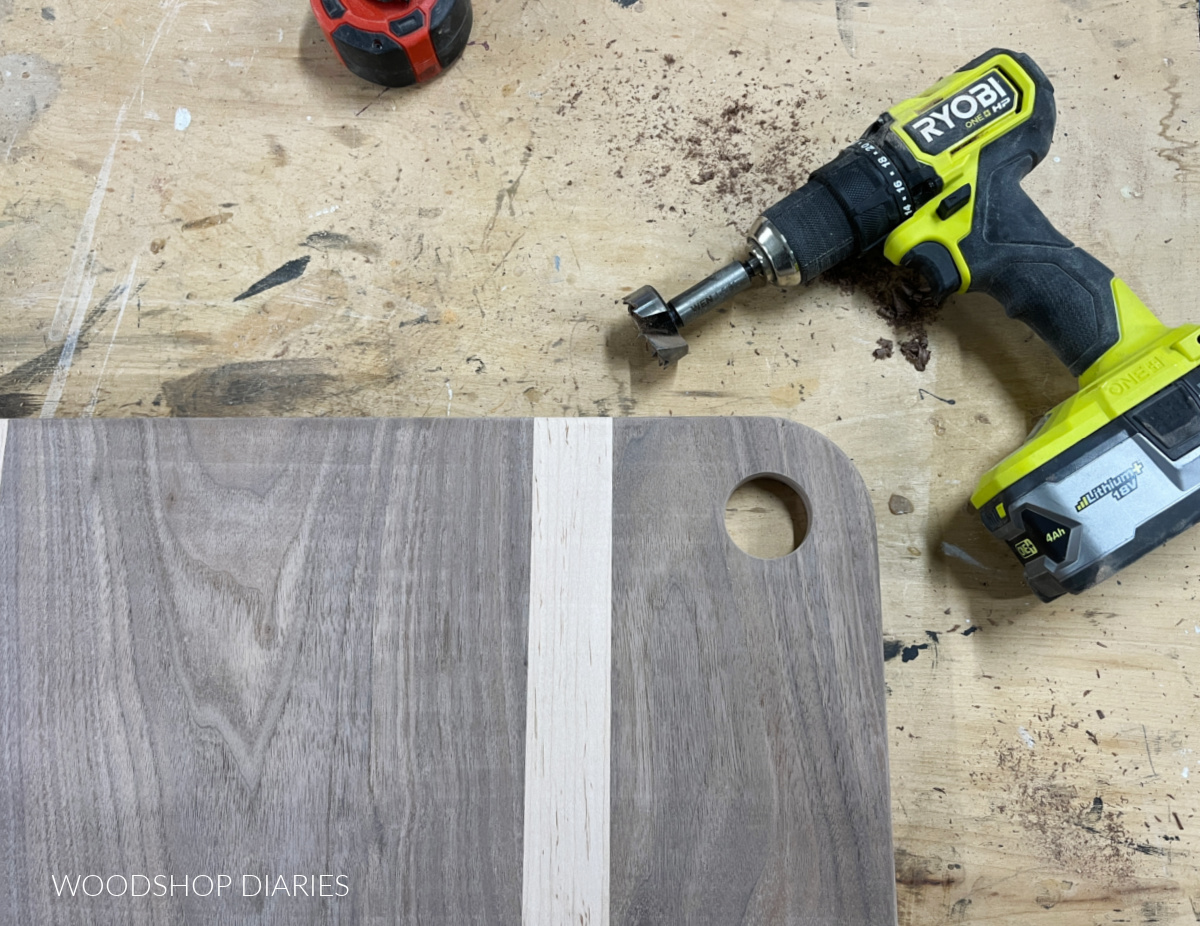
[438, 671]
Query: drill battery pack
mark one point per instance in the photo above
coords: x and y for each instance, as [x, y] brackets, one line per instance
[1110, 498]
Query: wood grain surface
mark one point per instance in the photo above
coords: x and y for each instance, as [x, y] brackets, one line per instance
[749, 759]
[382, 652]
[467, 244]
[274, 649]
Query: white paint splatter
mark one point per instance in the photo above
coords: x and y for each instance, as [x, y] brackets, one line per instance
[325, 212]
[82, 255]
[1185, 771]
[135, 135]
[67, 355]
[183, 119]
[91, 406]
[150, 114]
[281, 35]
[450, 399]
[367, 318]
[1026, 737]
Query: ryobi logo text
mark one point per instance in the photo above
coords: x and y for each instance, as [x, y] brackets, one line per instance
[952, 120]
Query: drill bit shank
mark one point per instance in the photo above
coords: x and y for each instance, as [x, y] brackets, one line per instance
[715, 289]
[659, 322]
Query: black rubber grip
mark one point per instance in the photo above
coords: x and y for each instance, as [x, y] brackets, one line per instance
[815, 227]
[1060, 291]
[1017, 256]
[847, 207]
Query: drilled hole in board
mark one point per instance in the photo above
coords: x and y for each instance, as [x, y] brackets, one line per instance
[766, 517]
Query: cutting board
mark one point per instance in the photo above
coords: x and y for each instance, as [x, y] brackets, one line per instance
[435, 672]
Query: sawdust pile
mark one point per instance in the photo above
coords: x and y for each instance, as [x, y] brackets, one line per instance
[901, 298]
[734, 151]
[745, 138]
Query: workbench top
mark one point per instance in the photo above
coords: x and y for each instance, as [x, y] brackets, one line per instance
[203, 213]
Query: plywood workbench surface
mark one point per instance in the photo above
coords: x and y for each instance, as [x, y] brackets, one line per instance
[461, 250]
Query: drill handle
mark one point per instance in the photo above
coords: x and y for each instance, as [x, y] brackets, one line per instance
[1019, 258]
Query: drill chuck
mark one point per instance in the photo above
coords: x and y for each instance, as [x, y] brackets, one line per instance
[812, 226]
[846, 208]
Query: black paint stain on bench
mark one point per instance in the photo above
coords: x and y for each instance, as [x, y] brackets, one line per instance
[263, 387]
[912, 652]
[292, 270]
[17, 396]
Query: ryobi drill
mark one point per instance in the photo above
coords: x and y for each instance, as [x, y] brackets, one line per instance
[1107, 475]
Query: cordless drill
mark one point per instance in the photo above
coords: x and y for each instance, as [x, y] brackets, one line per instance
[1107, 475]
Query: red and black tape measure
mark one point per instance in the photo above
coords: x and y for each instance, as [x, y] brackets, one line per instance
[396, 43]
